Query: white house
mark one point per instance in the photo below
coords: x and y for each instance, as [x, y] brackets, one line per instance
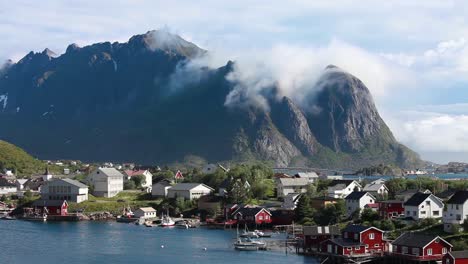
[357, 201]
[310, 176]
[145, 212]
[285, 186]
[7, 186]
[146, 173]
[290, 201]
[20, 184]
[189, 191]
[457, 210]
[64, 189]
[423, 205]
[107, 182]
[161, 188]
[377, 188]
[342, 188]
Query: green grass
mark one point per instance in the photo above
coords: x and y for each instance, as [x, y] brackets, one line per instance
[115, 205]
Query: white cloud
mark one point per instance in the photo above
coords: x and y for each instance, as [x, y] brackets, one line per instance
[428, 132]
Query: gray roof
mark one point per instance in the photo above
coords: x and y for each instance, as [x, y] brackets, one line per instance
[75, 183]
[374, 187]
[418, 240]
[294, 181]
[459, 254]
[309, 174]
[188, 186]
[320, 230]
[111, 172]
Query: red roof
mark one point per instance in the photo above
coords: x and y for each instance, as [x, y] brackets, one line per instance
[132, 173]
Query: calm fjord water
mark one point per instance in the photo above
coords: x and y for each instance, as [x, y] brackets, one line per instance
[89, 242]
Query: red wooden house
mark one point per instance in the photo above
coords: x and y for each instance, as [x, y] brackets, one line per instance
[252, 215]
[420, 247]
[456, 257]
[314, 235]
[391, 209]
[52, 207]
[356, 240]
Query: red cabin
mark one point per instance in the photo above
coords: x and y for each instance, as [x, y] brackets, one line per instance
[252, 215]
[391, 209]
[420, 247]
[53, 207]
[356, 240]
[314, 235]
[456, 257]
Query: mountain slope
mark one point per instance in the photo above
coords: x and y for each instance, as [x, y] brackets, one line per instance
[16, 159]
[132, 101]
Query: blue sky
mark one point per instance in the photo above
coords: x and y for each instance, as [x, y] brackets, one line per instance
[413, 55]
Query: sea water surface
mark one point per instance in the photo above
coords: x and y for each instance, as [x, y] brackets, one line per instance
[23, 242]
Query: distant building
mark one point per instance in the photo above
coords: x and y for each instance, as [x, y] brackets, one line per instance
[377, 188]
[342, 188]
[457, 210]
[310, 176]
[290, 201]
[7, 187]
[161, 188]
[455, 257]
[357, 201]
[356, 240]
[252, 215]
[423, 205]
[52, 207]
[321, 202]
[391, 209]
[146, 173]
[189, 191]
[107, 182]
[406, 194]
[20, 184]
[314, 235]
[145, 212]
[230, 182]
[285, 186]
[64, 189]
[417, 246]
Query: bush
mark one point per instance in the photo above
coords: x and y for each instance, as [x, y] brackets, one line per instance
[129, 185]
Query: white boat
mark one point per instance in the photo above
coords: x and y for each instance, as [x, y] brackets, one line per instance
[149, 224]
[250, 234]
[167, 221]
[182, 225]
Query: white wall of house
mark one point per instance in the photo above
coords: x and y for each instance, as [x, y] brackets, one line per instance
[106, 185]
[191, 194]
[336, 192]
[353, 205]
[145, 213]
[429, 208]
[8, 189]
[455, 214]
[160, 190]
[62, 190]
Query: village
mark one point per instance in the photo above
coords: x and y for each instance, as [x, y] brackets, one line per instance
[326, 216]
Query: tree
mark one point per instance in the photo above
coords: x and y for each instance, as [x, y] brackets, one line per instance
[138, 180]
[303, 209]
[369, 215]
[129, 185]
[387, 225]
[465, 225]
[330, 214]
[3, 198]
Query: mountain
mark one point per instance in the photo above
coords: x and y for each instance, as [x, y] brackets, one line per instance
[137, 101]
[16, 159]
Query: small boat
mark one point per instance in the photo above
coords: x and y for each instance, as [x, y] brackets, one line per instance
[262, 234]
[149, 224]
[166, 220]
[39, 218]
[249, 234]
[7, 217]
[182, 225]
[127, 216]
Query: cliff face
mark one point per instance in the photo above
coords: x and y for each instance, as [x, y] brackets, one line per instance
[128, 101]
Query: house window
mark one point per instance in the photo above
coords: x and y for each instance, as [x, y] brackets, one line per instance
[458, 217]
[349, 249]
[376, 245]
[415, 251]
[404, 250]
[408, 212]
[356, 248]
[371, 236]
[356, 236]
[435, 213]
[345, 234]
[429, 251]
[260, 217]
[423, 212]
[367, 246]
[414, 213]
[428, 203]
[444, 250]
[456, 206]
